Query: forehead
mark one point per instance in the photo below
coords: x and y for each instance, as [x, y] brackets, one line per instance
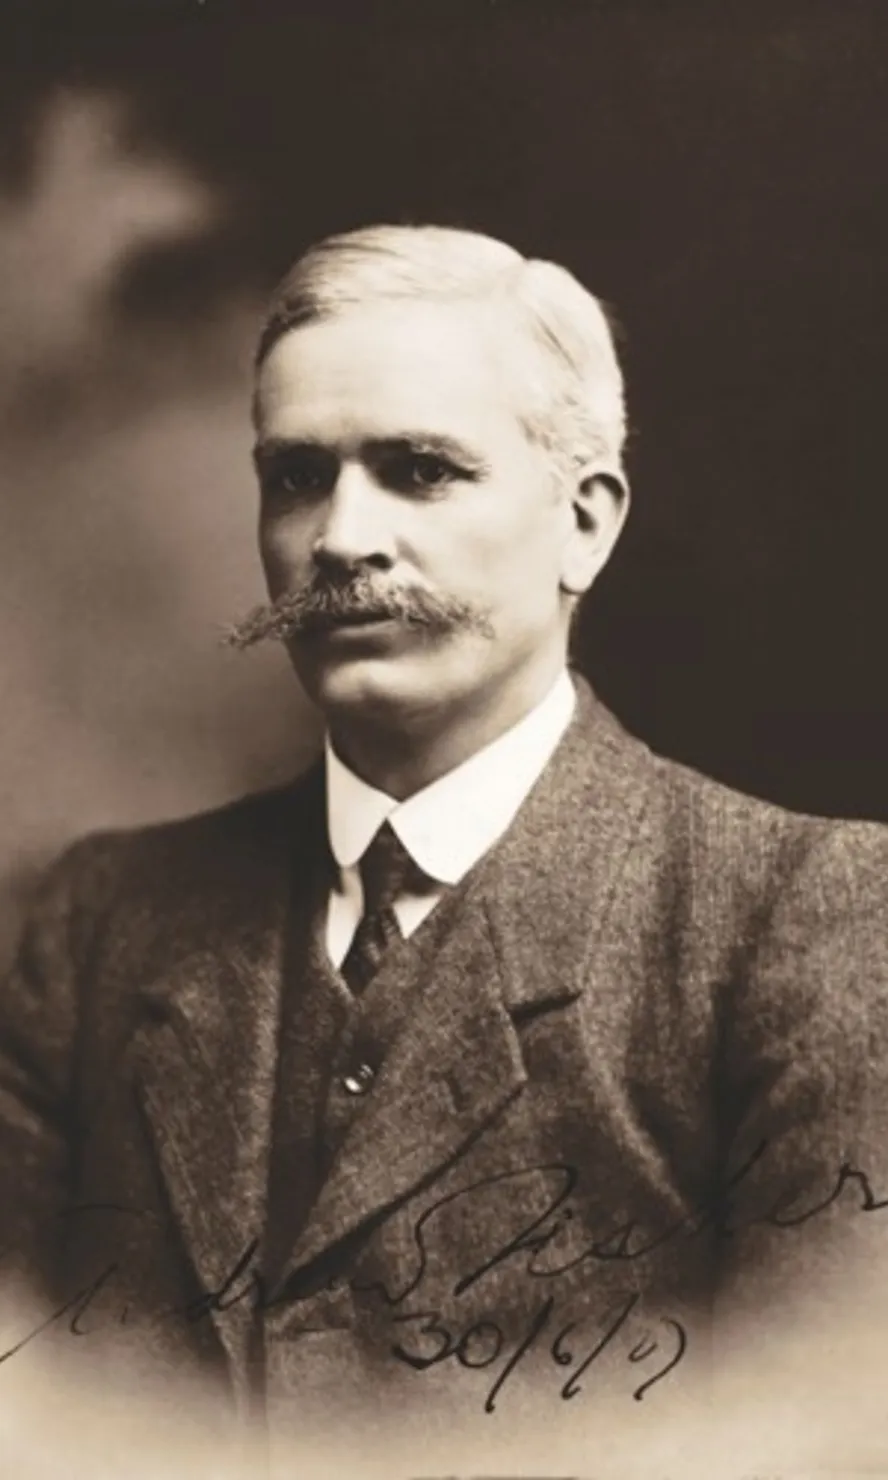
[388, 368]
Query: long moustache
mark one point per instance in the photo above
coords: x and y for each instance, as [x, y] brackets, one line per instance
[323, 604]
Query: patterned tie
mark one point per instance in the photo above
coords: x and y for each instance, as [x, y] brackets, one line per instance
[386, 872]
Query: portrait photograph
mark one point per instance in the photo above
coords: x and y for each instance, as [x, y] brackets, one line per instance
[444, 769]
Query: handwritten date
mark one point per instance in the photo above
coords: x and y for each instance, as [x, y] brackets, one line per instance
[481, 1345]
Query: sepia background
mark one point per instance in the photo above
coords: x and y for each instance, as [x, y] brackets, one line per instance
[715, 171]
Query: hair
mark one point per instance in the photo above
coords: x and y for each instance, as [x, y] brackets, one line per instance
[575, 403]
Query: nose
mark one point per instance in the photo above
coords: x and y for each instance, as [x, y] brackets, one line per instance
[355, 530]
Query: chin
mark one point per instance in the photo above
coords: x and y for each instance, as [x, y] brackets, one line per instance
[395, 684]
[370, 689]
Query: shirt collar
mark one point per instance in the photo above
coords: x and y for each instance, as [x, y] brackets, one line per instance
[448, 825]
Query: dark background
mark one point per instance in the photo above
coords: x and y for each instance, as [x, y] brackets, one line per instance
[716, 172]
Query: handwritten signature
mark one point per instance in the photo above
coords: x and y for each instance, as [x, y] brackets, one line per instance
[425, 1337]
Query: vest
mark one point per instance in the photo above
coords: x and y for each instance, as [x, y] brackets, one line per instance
[331, 1048]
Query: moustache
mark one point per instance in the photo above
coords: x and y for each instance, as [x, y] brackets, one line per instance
[324, 604]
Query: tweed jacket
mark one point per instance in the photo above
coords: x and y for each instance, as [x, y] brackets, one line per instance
[641, 1079]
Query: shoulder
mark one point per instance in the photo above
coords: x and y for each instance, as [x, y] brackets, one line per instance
[722, 822]
[739, 850]
[177, 856]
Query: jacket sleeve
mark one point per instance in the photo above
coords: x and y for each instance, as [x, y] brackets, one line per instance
[39, 1014]
[803, 1079]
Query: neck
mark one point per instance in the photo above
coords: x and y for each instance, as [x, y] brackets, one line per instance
[401, 758]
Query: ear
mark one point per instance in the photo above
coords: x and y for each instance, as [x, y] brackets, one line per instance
[599, 505]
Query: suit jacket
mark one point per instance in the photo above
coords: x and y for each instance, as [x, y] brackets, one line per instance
[643, 1080]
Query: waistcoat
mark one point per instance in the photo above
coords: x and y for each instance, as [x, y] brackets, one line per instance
[331, 1048]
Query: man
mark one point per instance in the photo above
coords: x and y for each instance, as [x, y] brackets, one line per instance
[495, 1043]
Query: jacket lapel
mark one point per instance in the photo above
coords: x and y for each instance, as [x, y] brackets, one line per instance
[207, 1051]
[525, 942]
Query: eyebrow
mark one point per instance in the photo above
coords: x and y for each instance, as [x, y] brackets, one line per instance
[269, 450]
[431, 444]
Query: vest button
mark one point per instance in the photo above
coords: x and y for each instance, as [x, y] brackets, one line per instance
[358, 1080]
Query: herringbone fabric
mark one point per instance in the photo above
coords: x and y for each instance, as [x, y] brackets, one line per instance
[655, 1015]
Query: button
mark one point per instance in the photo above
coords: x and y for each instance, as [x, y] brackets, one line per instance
[359, 1080]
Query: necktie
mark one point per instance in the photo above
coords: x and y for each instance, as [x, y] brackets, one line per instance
[386, 871]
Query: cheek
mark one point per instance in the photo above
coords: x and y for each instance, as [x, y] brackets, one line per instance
[518, 552]
[285, 551]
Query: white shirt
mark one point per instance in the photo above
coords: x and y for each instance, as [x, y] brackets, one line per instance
[447, 826]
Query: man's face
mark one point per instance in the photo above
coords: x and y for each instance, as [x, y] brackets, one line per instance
[389, 446]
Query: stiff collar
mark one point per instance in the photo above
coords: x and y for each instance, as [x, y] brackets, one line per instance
[450, 824]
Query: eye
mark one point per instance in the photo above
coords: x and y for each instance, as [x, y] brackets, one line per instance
[429, 470]
[298, 476]
[418, 472]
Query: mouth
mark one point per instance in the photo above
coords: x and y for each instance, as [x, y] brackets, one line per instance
[361, 618]
[357, 621]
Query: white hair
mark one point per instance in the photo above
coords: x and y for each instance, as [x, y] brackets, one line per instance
[577, 406]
